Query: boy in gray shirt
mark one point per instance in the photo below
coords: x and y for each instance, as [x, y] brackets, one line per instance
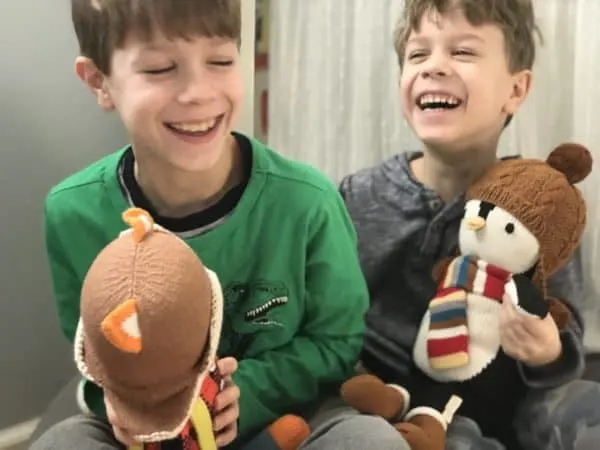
[465, 70]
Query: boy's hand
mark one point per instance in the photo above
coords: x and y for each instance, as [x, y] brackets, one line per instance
[529, 339]
[226, 404]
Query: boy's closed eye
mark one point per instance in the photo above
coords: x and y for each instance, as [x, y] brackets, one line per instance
[162, 70]
[222, 63]
[417, 54]
[159, 70]
[464, 52]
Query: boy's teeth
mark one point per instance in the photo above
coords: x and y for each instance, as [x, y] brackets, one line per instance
[432, 99]
[195, 127]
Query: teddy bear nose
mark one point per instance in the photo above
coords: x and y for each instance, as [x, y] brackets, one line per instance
[475, 223]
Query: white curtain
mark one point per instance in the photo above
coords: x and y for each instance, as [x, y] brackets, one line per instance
[334, 103]
[332, 78]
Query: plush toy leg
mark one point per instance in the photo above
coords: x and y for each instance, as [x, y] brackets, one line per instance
[369, 395]
[289, 431]
[262, 441]
[425, 428]
[286, 433]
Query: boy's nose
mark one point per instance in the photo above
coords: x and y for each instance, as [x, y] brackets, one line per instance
[434, 73]
[196, 89]
[435, 66]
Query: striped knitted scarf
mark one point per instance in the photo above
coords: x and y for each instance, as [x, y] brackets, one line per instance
[448, 337]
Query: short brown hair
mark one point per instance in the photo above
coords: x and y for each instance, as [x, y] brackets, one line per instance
[102, 26]
[515, 17]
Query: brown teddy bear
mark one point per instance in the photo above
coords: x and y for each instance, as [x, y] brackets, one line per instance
[148, 334]
[523, 220]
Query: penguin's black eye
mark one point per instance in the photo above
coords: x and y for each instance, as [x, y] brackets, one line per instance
[510, 228]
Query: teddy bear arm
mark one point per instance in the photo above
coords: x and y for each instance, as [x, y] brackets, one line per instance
[370, 395]
[424, 426]
[561, 314]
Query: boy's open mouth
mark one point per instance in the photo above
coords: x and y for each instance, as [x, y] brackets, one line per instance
[196, 129]
[438, 101]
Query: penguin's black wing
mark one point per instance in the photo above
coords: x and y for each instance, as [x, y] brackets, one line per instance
[530, 298]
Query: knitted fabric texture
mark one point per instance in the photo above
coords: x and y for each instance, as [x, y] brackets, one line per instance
[448, 340]
[149, 327]
[541, 195]
[190, 438]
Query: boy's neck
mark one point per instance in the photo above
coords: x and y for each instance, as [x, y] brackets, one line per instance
[450, 177]
[176, 193]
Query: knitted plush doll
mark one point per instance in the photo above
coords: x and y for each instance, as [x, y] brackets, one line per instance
[523, 220]
[150, 325]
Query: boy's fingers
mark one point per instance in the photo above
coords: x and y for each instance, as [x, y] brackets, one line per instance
[226, 418]
[227, 436]
[227, 397]
[227, 366]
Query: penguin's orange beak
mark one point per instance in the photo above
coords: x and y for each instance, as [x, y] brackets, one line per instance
[475, 223]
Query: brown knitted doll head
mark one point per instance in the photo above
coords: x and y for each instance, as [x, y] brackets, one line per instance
[150, 323]
[542, 196]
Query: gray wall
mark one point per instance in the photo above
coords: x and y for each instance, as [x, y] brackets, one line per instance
[49, 127]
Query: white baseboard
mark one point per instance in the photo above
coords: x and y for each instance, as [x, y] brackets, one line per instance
[591, 339]
[17, 434]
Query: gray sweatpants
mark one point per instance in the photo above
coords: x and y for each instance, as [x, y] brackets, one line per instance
[562, 419]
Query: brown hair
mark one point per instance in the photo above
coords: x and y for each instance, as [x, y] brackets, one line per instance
[515, 17]
[102, 26]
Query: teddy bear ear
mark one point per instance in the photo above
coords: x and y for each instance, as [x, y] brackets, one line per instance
[573, 160]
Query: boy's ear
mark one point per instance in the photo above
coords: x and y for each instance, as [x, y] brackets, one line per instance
[95, 80]
[520, 88]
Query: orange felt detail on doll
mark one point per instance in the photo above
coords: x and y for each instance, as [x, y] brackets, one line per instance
[121, 327]
[140, 221]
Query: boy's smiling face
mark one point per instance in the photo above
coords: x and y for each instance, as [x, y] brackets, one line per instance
[456, 86]
[178, 98]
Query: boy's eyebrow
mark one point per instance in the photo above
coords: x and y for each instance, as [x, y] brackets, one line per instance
[151, 47]
[423, 40]
[147, 50]
[214, 42]
[468, 37]
[417, 40]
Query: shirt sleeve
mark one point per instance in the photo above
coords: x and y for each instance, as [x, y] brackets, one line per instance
[566, 285]
[326, 349]
[66, 285]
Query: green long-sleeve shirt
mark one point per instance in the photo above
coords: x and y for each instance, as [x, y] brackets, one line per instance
[295, 297]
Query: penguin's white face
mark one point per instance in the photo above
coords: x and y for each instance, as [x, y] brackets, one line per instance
[492, 234]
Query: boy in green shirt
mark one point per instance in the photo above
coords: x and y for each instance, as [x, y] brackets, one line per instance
[275, 231]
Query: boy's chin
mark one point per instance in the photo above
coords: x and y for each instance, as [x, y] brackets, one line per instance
[442, 143]
[199, 163]
[450, 150]
[195, 156]
[190, 159]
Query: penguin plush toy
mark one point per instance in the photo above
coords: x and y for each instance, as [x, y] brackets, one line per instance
[523, 220]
